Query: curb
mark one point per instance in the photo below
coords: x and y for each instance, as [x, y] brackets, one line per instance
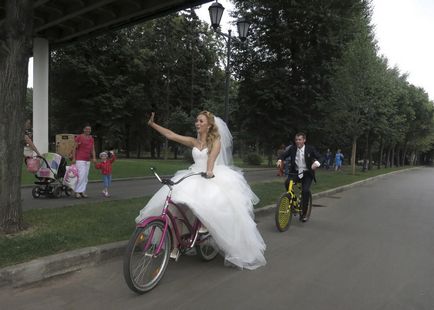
[59, 264]
[54, 265]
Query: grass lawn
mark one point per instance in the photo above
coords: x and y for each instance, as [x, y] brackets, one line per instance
[52, 231]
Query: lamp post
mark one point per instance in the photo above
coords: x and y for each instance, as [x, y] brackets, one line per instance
[215, 14]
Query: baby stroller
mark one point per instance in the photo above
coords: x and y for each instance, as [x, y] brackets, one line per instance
[50, 177]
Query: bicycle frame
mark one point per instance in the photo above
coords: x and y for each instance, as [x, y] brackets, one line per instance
[296, 200]
[169, 220]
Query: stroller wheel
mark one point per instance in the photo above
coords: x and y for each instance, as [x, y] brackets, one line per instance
[68, 191]
[57, 192]
[35, 192]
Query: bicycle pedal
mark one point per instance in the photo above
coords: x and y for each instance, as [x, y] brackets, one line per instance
[175, 254]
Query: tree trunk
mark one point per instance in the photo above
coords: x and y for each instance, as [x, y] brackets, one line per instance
[392, 157]
[413, 158]
[166, 142]
[127, 141]
[398, 157]
[380, 158]
[365, 153]
[370, 165]
[15, 49]
[353, 155]
[175, 152]
[404, 155]
[158, 145]
[153, 147]
[387, 158]
[166, 149]
[139, 148]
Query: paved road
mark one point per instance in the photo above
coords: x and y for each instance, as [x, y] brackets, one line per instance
[123, 190]
[367, 248]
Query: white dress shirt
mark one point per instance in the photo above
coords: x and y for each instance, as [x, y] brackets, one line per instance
[300, 161]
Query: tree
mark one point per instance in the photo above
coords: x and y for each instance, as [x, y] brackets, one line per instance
[352, 100]
[284, 70]
[15, 49]
[115, 80]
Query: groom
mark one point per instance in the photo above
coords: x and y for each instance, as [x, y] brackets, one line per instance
[304, 159]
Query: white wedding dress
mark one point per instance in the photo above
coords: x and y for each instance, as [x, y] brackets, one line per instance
[224, 204]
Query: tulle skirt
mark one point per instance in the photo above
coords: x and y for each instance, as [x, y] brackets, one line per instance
[224, 204]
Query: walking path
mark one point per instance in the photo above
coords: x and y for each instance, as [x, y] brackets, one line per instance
[124, 189]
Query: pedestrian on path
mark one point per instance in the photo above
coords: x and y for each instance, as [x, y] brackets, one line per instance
[105, 165]
[339, 158]
[280, 170]
[83, 151]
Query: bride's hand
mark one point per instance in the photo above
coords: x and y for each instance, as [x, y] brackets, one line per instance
[209, 174]
[151, 119]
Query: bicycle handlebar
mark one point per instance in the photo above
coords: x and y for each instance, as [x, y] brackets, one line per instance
[169, 182]
[297, 174]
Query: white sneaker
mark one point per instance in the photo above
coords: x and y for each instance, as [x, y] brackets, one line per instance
[203, 230]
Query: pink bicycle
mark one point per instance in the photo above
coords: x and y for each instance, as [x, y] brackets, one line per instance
[151, 245]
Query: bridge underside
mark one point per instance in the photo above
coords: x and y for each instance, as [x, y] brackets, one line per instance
[64, 21]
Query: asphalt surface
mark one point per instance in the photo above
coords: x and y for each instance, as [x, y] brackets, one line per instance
[123, 189]
[369, 247]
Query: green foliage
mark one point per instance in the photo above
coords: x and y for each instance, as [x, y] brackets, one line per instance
[284, 69]
[114, 81]
[253, 159]
[308, 66]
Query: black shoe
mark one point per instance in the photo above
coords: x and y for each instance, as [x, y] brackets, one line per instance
[304, 219]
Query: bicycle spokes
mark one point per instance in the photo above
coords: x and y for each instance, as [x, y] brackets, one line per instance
[143, 266]
[283, 214]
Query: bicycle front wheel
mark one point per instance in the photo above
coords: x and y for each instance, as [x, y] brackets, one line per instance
[283, 215]
[143, 269]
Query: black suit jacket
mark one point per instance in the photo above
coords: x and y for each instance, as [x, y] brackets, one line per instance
[310, 155]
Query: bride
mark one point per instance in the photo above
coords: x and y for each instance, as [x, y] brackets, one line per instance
[223, 201]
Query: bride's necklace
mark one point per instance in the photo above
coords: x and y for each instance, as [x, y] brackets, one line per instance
[201, 144]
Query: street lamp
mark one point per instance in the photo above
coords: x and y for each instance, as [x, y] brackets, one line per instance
[215, 14]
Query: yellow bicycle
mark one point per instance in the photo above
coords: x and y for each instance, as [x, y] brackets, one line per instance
[290, 204]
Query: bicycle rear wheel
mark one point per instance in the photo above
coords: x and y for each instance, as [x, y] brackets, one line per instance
[207, 249]
[283, 215]
[143, 270]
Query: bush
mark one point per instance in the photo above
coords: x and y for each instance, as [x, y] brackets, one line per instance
[253, 159]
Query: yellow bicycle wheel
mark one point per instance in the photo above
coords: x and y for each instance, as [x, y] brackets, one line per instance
[283, 214]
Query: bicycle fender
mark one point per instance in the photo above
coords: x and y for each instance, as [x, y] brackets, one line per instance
[147, 220]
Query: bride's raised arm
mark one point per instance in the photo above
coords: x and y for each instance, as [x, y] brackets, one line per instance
[169, 134]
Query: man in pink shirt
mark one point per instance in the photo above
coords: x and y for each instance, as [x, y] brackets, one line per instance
[83, 150]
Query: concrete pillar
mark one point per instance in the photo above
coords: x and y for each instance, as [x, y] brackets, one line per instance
[41, 55]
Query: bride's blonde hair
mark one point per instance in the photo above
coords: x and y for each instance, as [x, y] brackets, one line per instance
[213, 131]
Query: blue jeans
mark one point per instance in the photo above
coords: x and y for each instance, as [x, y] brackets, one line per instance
[107, 179]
